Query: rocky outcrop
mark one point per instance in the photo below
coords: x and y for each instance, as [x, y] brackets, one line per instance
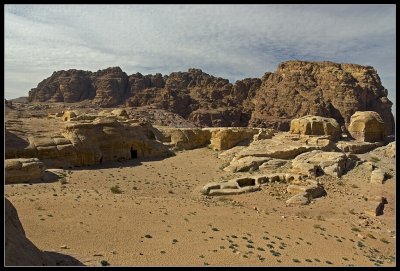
[327, 89]
[246, 184]
[185, 138]
[315, 125]
[23, 170]
[357, 147]
[316, 163]
[304, 193]
[226, 138]
[367, 126]
[105, 139]
[295, 89]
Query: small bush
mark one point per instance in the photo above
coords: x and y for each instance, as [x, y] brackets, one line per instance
[104, 263]
[384, 241]
[116, 190]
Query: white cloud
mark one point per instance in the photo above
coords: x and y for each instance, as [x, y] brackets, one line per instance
[232, 41]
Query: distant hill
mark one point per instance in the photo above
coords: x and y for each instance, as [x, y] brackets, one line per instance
[295, 89]
[23, 99]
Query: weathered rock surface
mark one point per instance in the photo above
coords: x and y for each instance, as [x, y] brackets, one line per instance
[305, 193]
[185, 138]
[295, 89]
[367, 126]
[247, 184]
[378, 176]
[358, 147]
[246, 163]
[316, 125]
[226, 138]
[104, 139]
[376, 207]
[23, 170]
[316, 163]
[388, 151]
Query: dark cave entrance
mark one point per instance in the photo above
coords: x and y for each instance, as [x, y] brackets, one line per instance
[133, 153]
[101, 160]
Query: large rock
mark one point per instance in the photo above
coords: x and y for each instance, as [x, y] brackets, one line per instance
[23, 170]
[316, 125]
[226, 138]
[358, 147]
[378, 176]
[186, 138]
[316, 163]
[295, 89]
[246, 163]
[104, 139]
[367, 126]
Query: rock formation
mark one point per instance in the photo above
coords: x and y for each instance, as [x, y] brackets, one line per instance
[104, 139]
[23, 170]
[315, 125]
[296, 89]
[367, 126]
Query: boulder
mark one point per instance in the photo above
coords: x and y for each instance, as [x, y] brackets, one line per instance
[299, 199]
[358, 147]
[316, 163]
[378, 176]
[23, 170]
[316, 125]
[376, 207]
[68, 115]
[120, 113]
[264, 134]
[246, 163]
[185, 138]
[367, 126]
[226, 138]
[273, 164]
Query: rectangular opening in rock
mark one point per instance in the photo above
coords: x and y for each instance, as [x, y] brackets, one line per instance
[133, 154]
[246, 182]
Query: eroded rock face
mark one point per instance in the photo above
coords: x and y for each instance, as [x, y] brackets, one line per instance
[104, 139]
[316, 125]
[367, 126]
[327, 89]
[185, 139]
[295, 89]
[226, 138]
[316, 163]
[23, 170]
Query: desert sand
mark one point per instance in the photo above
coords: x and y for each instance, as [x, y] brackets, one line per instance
[161, 219]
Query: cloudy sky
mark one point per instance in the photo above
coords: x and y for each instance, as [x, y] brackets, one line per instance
[230, 41]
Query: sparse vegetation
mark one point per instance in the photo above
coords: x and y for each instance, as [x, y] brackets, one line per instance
[355, 229]
[383, 240]
[116, 190]
[104, 263]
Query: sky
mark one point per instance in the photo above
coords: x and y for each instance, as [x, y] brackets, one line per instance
[229, 41]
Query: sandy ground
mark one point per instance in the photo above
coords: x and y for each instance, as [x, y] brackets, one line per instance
[161, 219]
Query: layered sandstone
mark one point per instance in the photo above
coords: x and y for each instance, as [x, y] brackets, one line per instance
[295, 89]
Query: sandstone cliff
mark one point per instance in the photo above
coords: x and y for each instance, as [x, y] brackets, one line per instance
[295, 89]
